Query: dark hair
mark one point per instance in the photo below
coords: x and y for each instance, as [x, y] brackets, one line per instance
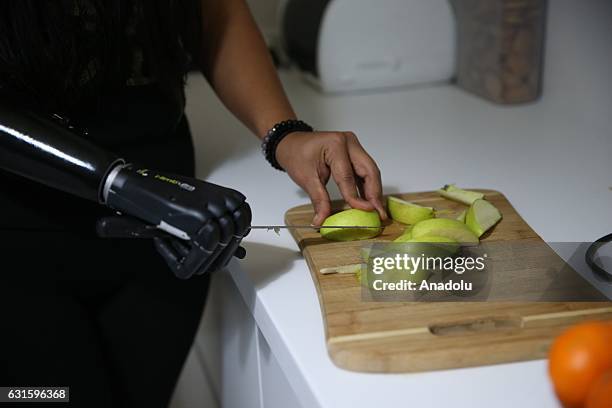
[54, 53]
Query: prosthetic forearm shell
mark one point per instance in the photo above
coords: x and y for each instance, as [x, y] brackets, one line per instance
[42, 150]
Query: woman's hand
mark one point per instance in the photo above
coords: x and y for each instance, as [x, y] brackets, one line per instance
[236, 61]
[310, 158]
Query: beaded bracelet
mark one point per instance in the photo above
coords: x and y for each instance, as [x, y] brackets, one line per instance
[276, 134]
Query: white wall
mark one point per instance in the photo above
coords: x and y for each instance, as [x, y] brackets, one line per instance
[265, 14]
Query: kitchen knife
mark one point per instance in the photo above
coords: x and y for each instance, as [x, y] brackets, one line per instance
[277, 228]
[129, 227]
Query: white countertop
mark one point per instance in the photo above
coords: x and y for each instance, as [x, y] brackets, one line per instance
[552, 159]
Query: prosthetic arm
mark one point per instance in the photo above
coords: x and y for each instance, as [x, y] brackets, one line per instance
[203, 222]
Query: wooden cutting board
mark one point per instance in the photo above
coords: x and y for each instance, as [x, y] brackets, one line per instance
[394, 337]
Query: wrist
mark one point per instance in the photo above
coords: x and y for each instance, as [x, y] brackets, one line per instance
[285, 149]
[276, 135]
[263, 127]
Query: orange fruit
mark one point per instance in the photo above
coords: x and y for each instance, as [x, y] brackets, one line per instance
[600, 394]
[577, 358]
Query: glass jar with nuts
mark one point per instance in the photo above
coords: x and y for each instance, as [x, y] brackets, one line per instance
[500, 48]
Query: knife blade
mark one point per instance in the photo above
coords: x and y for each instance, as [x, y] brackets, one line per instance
[277, 228]
[130, 227]
[271, 227]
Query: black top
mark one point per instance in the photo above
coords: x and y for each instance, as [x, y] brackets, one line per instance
[137, 117]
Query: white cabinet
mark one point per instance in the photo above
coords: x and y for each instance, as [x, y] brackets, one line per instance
[275, 388]
[234, 356]
[240, 385]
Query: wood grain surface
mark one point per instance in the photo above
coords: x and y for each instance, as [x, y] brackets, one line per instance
[394, 337]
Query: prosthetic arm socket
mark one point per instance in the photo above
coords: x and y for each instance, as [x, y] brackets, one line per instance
[44, 151]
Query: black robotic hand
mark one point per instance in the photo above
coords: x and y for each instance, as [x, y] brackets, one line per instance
[203, 222]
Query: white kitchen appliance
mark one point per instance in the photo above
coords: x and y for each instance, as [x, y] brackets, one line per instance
[348, 45]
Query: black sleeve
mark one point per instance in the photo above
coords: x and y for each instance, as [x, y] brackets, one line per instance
[42, 150]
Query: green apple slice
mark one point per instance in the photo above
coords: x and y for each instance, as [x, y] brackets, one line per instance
[406, 212]
[445, 244]
[368, 219]
[457, 194]
[445, 227]
[481, 216]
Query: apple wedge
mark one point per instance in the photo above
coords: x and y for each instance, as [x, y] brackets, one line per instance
[454, 193]
[442, 245]
[368, 219]
[406, 212]
[433, 245]
[481, 216]
[445, 227]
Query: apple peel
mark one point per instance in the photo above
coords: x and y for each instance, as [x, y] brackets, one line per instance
[352, 268]
[454, 193]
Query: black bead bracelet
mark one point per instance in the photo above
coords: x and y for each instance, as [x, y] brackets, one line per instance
[276, 134]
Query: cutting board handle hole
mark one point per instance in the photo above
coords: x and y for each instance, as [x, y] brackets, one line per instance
[486, 324]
